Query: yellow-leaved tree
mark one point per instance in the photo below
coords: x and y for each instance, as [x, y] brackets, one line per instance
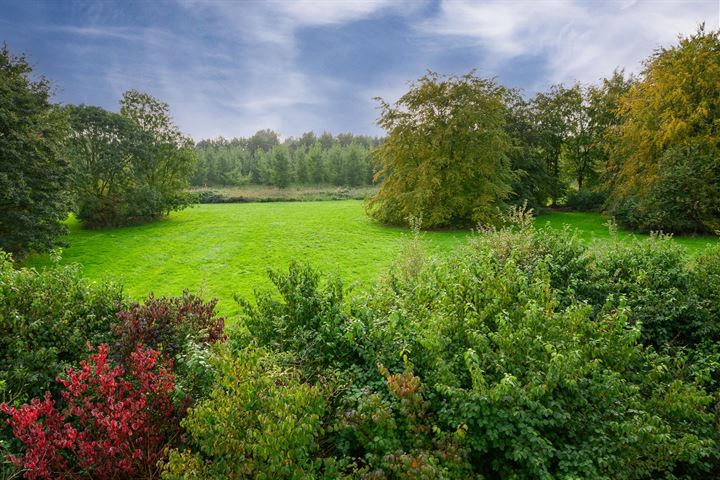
[666, 154]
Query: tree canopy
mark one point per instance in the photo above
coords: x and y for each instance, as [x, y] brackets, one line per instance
[34, 174]
[129, 166]
[666, 158]
[445, 158]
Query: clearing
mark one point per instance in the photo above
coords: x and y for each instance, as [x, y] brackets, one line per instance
[222, 250]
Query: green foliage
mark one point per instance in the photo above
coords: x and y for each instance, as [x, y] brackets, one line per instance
[343, 160]
[664, 160]
[531, 182]
[394, 434]
[34, 175]
[104, 148]
[520, 356]
[585, 200]
[260, 421]
[556, 114]
[280, 166]
[181, 329]
[306, 320]
[665, 293]
[47, 320]
[446, 155]
[129, 167]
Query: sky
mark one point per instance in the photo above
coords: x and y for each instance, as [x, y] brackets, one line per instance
[229, 68]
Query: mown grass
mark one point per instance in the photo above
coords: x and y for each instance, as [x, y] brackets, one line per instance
[222, 250]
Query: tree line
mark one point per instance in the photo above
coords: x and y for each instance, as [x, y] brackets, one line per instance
[645, 149]
[263, 159]
[108, 168]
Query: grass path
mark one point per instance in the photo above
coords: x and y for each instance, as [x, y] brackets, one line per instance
[220, 250]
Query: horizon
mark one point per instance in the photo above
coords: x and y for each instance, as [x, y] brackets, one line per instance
[229, 69]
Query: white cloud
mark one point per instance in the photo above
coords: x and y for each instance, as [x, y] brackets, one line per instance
[237, 66]
[581, 40]
[270, 89]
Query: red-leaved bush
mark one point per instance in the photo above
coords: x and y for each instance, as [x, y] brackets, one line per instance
[115, 421]
[166, 324]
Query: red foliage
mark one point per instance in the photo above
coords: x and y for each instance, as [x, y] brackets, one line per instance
[114, 423]
[165, 323]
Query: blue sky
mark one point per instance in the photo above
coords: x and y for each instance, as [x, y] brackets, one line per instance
[232, 67]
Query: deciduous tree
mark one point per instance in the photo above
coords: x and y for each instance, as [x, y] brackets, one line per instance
[446, 155]
[34, 174]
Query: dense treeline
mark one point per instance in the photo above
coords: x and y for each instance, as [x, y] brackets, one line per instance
[343, 160]
[525, 354]
[460, 149]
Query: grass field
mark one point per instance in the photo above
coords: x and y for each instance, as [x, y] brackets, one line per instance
[593, 227]
[221, 250]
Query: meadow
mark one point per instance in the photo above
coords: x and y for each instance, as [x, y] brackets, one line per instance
[225, 249]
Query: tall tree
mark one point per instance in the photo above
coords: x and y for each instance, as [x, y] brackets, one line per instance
[531, 184]
[103, 149]
[169, 156]
[445, 157]
[553, 113]
[34, 174]
[603, 107]
[666, 156]
[263, 140]
[315, 164]
[280, 166]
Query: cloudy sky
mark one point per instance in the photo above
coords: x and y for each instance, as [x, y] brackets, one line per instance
[232, 67]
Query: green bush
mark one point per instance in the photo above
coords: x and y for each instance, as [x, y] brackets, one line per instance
[684, 197]
[306, 320]
[671, 296]
[259, 421]
[585, 200]
[47, 320]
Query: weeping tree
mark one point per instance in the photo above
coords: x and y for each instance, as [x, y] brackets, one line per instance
[445, 158]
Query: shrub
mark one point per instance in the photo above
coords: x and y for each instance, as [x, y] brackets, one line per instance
[166, 324]
[307, 319]
[514, 357]
[672, 300]
[585, 200]
[47, 320]
[394, 432]
[657, 280]
[259, 421]
[115, 422]
[546, 390]
[180, 328]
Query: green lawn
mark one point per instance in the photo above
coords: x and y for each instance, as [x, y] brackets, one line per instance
[224, 249]
[220, 250]
[593, 227]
